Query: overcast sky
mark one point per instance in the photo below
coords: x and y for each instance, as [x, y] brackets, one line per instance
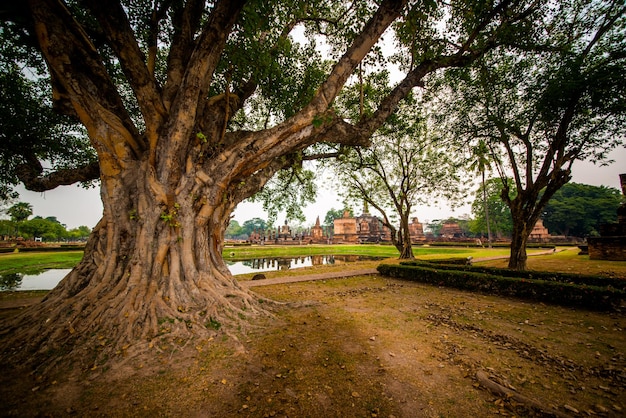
[75, 206]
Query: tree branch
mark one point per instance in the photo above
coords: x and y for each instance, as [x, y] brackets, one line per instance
[33, 180]
[193, 89]
[93, 95]
[121, 38]
[186, 22]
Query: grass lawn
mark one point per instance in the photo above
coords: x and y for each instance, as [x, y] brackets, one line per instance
[34, 262]
[569, 261]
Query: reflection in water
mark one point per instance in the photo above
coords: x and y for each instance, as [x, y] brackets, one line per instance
[50, 278]
[281, 263]
[10, 281]
[45, 280]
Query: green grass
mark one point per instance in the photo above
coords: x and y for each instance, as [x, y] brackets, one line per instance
[384, 251]
[34, 262]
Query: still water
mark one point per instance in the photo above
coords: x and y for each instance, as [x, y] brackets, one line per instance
[50, 278]
[45, 280]
[279, 263]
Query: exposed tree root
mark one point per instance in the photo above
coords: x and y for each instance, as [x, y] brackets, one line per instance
[500, 390]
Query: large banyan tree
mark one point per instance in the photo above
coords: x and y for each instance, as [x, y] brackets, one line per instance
[191, 107]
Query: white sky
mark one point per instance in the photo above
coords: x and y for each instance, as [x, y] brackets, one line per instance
[75, 206]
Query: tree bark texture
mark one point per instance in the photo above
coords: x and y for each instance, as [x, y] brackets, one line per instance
[519, 238]
[405, 245]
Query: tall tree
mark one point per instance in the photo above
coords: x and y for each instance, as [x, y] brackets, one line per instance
[191, 107]
[19, 212]
[480, 163]
[233, 230]
[501, 223]
[559, 99]
[333, 214]
[254, 224]
[402, 168]
[47, 229]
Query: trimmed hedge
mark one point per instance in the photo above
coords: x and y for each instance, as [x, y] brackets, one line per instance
[43, 249]
[465, 244]
[604, 298]
[570, 278]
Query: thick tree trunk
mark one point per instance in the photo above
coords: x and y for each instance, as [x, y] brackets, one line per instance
[519, 238]
[403, 243]
[517, 260]
[151, 276]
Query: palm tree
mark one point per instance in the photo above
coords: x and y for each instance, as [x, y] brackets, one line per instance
[19, 213]
[481, 163]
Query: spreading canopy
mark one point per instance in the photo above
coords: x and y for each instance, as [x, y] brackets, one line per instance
[172, 80]
[191, 107]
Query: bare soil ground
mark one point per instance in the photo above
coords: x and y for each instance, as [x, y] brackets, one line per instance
[364, 346]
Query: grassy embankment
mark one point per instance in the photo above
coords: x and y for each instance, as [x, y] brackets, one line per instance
[33, 262]
[565, 261]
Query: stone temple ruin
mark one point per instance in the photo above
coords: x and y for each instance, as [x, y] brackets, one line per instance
[345, 230]
[611, 244]
[360, 229]
[368, 228]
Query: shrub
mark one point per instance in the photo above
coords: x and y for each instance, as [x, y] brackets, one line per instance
[571, 278]
[603, 298]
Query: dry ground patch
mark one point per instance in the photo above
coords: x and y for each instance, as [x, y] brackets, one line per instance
[364, 346]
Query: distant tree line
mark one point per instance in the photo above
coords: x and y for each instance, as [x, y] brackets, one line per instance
[49, 229]
[576, 210]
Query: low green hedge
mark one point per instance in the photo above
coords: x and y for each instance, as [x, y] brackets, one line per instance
[44, 249]
[570, 278]
[493, 244]
[604, 298]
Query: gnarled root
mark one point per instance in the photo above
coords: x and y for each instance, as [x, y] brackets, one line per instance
[498, 389]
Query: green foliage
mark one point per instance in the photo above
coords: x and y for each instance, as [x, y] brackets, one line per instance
[550, 95]
[80, 233]
[233, 230]
[333, 214]
[20, 211]
[579, 209]
[170, 216]
[500, 219]
[30, 130]
[49, 230]
[550, 276]
[404, 166]
[288, 191]
[254, 224]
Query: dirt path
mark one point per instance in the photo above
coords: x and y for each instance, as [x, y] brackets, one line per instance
[310, 277]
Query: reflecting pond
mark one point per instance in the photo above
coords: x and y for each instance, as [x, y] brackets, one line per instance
[48, 279]
[45, 280]
[258, 265]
